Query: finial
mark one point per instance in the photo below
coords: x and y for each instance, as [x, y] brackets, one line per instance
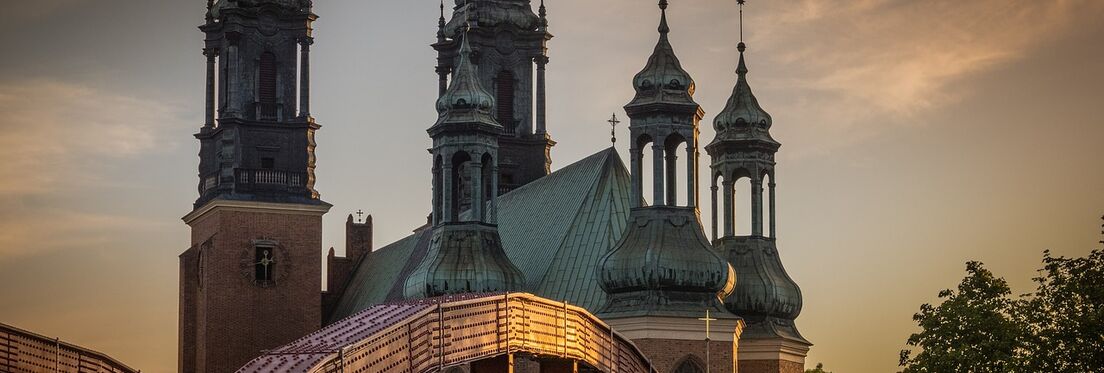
[360, 216]
[741, 69]
[613, 126]
[210, 6]
[663, 28]
[543, 16]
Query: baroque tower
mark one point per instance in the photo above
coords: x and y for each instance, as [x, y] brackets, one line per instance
[662, 276]
[765, 296]
[251, 279]
[465, 253]
[509, 43]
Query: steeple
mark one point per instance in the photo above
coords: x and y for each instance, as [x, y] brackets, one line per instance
[509, 42]
[663, 80]
[465, 254]
[663, 265]
[765, 295]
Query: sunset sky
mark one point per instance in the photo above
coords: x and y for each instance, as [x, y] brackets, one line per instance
[917, 135]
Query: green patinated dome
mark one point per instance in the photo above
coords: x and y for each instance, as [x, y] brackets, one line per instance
[464, 258]
[465, 100]
[742, 108]
[664, 265]
[663, 80]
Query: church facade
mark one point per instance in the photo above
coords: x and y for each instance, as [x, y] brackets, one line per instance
[501, 222]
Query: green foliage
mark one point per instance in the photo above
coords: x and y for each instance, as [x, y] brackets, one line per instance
[819, 369]
[982, 328]
[1066, 315]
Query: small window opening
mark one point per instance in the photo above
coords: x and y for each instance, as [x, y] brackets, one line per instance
[268, 163]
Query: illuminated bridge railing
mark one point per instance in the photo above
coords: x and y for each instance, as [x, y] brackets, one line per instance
[431, 334]
[24, 351]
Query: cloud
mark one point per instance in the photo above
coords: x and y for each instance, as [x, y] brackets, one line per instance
[59, 144]
[901, 57]
[56, 134]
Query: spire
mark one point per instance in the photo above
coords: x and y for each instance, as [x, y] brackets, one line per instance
[663, 78]
[441, 24]
[465, 100]
[742, 112]
[663, 28]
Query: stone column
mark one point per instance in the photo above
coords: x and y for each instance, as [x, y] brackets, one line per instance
[691, 174]
[541, 111]
[437, 194]
[636, 177]
[657, 174]
[729, 223]
[492, 215]
[233, 75]
[670, 176]
[304, 76]
[442, 80]
[773, 227]
[449, 192]
[477, 191]
[713, 189]
[209, 114]
[757, 207]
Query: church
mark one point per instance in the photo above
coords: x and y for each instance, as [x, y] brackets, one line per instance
[517, 268]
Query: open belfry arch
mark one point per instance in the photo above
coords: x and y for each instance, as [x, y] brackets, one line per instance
[471, 333]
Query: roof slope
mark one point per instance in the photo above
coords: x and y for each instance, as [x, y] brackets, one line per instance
[554, 229]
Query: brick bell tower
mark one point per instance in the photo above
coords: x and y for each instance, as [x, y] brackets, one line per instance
[251, 279]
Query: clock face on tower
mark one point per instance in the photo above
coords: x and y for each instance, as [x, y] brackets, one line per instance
[264, 263]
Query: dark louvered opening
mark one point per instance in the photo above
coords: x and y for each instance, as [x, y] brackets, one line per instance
[266, 87]
[505, 100]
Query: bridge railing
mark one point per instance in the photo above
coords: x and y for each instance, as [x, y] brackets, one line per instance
[452, 333]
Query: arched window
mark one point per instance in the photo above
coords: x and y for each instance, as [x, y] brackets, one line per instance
[689, 365]
[266, 85]
[504, 98]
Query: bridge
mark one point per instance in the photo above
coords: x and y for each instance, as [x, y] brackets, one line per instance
[24, 351]
[470, 333]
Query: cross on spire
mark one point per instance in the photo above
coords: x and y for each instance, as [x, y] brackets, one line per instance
[707, 319]
[741, 3]
[360, 216]
[613, 126]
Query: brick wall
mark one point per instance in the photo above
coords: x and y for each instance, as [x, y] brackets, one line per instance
[665, 354]
[235, 319]
[770, 366]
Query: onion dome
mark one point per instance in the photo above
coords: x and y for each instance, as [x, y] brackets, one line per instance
[492, 13]
[464, 258]
[663, 80]
[742, 117]
[664, 266]
[765, 296]
[465, 100]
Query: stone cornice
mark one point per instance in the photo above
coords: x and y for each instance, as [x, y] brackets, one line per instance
[772, 349]
[659, 327]
[253, 206]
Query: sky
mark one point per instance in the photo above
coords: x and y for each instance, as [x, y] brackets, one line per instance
[916, 136]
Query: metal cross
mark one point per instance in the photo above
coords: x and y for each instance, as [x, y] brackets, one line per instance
[613, 126]
[707, 319]
[360, 216]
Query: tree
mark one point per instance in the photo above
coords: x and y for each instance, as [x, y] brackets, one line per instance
[1066, 315]
[981, 328]
[971, 331]
[819, 369]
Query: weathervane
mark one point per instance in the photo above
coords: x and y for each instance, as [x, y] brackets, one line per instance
[707, 319]
[741, 2]
[613, 127]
